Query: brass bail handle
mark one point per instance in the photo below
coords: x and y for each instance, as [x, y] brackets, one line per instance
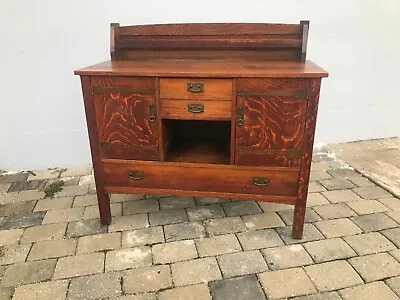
[260, 181]
[196, 108]
[195, 87]
[136, 174]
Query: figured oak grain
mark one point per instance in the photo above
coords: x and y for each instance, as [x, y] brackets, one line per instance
[103, 198]
[258, 159]
[122, 117]
[307, 149]
[271, 123]
[124, 128]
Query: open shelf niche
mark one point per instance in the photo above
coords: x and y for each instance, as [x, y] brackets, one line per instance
[197, 141]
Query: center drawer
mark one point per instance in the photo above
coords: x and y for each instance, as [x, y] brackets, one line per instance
[196, 88]
[195, 110]
[229, 179]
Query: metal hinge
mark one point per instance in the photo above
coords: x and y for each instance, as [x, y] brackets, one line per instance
[152, 113]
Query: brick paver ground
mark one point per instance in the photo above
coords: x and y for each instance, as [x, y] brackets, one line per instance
[167, 247]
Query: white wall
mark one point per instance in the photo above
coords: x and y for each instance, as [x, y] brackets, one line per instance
[42, 121]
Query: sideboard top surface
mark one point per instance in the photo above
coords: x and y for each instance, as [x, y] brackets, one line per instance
[205, 68]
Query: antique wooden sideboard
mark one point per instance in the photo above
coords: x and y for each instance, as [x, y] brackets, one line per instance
[217, 110]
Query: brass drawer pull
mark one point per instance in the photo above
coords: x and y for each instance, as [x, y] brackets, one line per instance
[195, 87]
[196, 108]
[136, 175]
[260, 181]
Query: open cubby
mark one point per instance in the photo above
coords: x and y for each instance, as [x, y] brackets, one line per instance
[197, 141]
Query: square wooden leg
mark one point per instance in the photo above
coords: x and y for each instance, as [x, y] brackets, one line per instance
[298, 219]
[103, 200]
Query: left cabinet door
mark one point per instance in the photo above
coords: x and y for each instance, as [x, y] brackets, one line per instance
[125, 110]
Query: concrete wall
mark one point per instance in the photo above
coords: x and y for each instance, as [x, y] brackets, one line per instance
[42, 120]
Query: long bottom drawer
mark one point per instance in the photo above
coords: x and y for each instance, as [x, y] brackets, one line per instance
[199, 177]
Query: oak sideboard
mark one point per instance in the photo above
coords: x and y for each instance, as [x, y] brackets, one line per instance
[210, 110]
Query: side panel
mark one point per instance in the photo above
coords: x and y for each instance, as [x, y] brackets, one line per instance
[103, 198]
[312, 110]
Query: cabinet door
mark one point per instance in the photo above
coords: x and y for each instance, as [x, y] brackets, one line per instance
[125, 117]
[273, 115]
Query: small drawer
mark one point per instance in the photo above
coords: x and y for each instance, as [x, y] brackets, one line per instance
[195, 110]
[223, 179]
[196, 88]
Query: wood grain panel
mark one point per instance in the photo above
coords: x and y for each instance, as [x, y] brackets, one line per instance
[129, 151]
[103, 198]
[140, 83]
[211, 29]
[178, 110]
[214, 89]
[260, 85]
[273, 54]
[309, 133]
[271, 123]
[212, 41]
[124, 129]
[207, 42]
[257, 159]
[177, 176]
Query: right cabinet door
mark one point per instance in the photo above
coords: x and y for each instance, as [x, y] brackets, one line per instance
[270, 120]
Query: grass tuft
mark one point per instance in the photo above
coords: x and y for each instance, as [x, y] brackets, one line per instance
[53, 188]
